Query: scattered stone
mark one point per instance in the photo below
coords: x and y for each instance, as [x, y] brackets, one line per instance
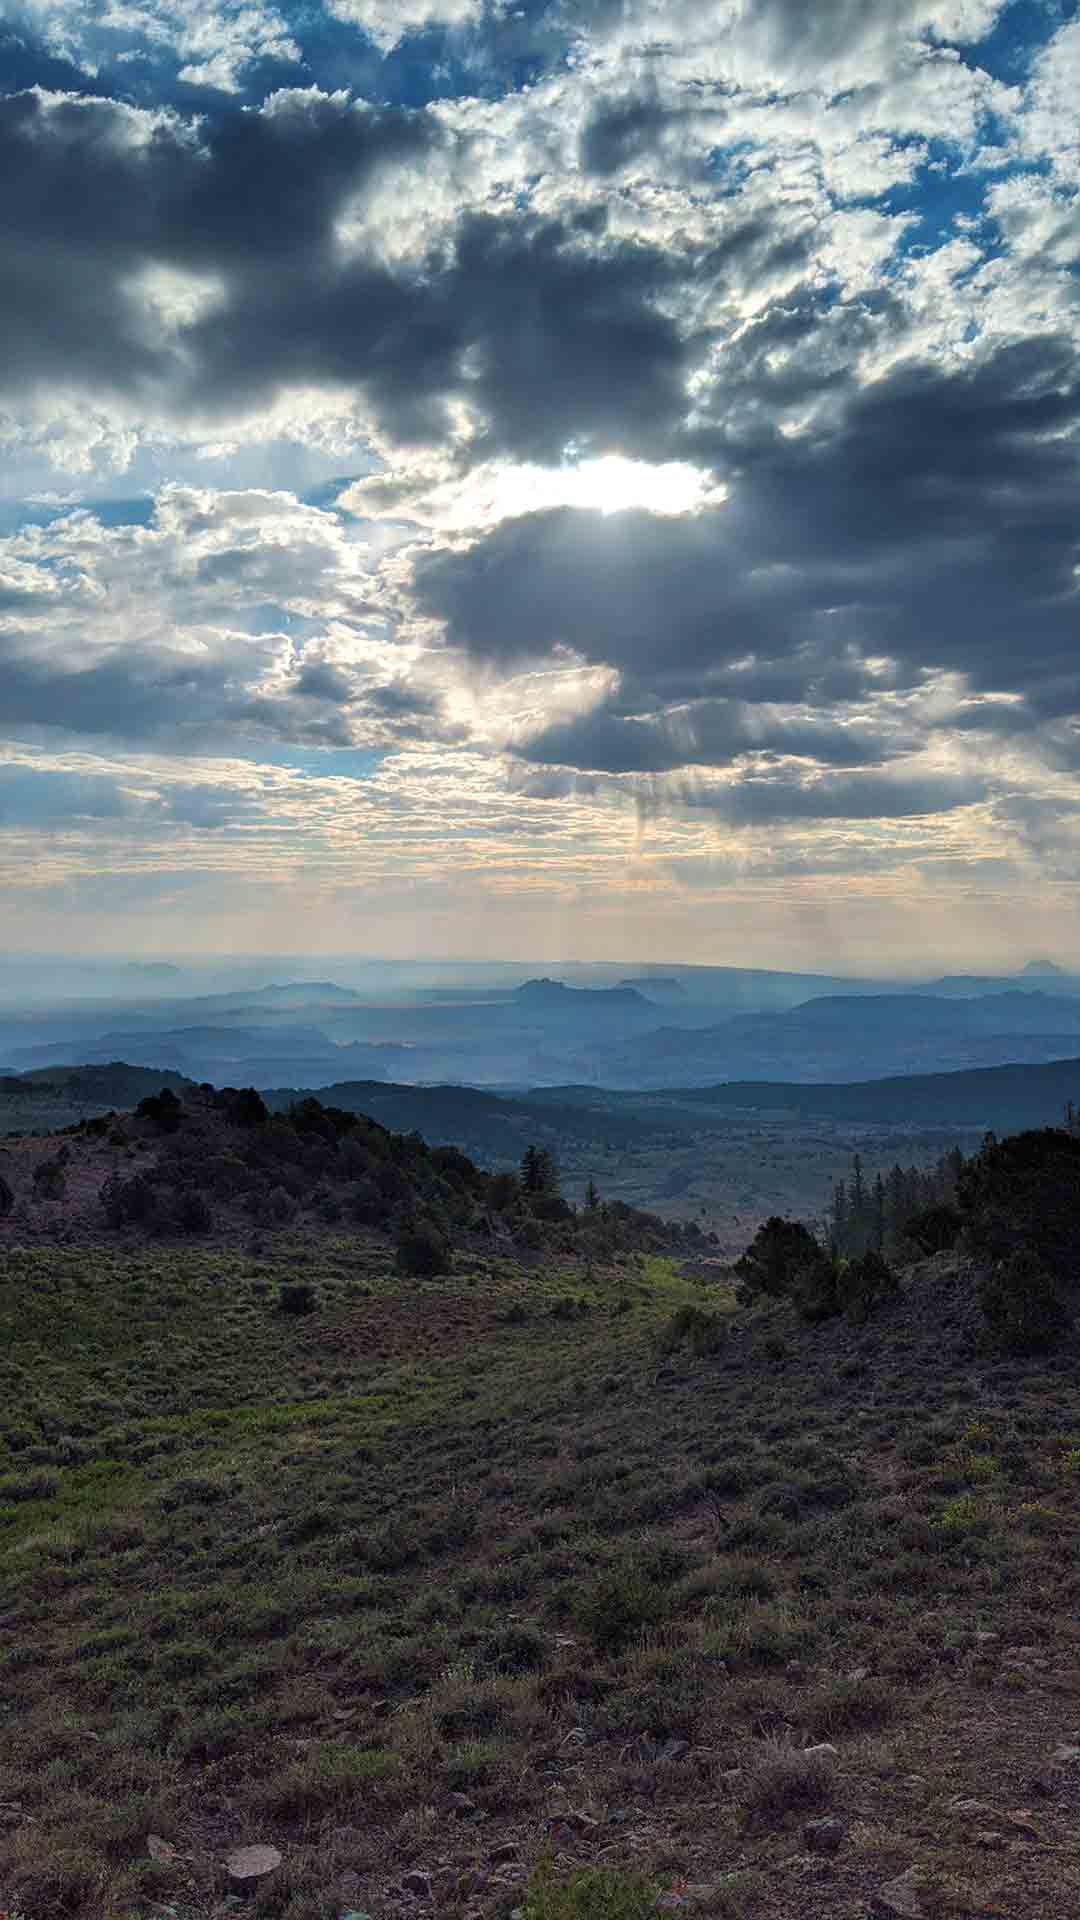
[159, 1849]
[989, 1838]
[675, 1750]
[462, 1804]
[900, 1899]
[506, 1850]
[823, 1748]
[1066, 1754]
[795, 1670]
[1021, 1822]
[824, 1835]
[974, 1810]
[245, 1865]
[583, 1822]
[348, 1881]
[417, 1882]
[859, 1673]
[986, 1638]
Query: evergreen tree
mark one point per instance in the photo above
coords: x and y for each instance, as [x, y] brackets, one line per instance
[539, 1171]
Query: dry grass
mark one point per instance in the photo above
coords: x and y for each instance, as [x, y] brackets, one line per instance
[396, 1584]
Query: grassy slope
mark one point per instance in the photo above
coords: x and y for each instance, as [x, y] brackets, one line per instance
[306, 1580]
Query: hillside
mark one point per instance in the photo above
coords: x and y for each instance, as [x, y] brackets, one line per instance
[561, 1554]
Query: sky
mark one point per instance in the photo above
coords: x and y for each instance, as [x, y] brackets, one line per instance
[541, 480]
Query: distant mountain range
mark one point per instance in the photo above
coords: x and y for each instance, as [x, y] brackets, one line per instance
[682, 1027]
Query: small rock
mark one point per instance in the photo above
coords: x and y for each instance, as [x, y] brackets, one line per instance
[462, 1804]
[159, 1849]
[675, 1750]
[245, 1865]
[823, 1747]
[1065, 1755]
[732, 1777]
[795, 1670]
[348, 1881]
[417, 1882]
[900, 1899]
[506, 1850]
[582, 1822]
[989, 1838]
[859, 1673]
[1021, 1822]
[973, 1810]
[825, 1835]
[986, 1638]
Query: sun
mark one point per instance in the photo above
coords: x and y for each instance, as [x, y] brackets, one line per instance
[609, 484]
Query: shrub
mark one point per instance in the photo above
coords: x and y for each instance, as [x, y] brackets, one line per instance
[504, 1191]
[618, 1606]
[592, 1893]
[246, 1108]
[776, 1258]
[1023, 1194]
[550, 1206]
[163, 1109]
[39, 1484]
[847, 1706]
[1023, 1305]
[935, 1229]
[815, 1288]
[193, 1214]
[423, 1252]
[366, 1204]
[129, 1202]
[297, 1296]
[781, 1777]
[50, 1179]
[865, 1283]
[282, 1206]
[702, 1332]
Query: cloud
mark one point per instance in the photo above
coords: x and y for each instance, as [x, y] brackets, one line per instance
[700, 733]
[211, 46]
[930, 524]
[689, 401]
[225, 616]
[751, 802]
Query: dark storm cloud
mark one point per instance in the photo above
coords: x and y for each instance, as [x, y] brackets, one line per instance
[321, 680]
[710, 733]
[134, 693]
[90, 193]
[545, 326]
[619, 131]
[935, 523]
[845, 797]
[549, 327]
[158, 696]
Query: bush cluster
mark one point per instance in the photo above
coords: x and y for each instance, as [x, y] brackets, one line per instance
[785, 1261]
[225, 1146]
